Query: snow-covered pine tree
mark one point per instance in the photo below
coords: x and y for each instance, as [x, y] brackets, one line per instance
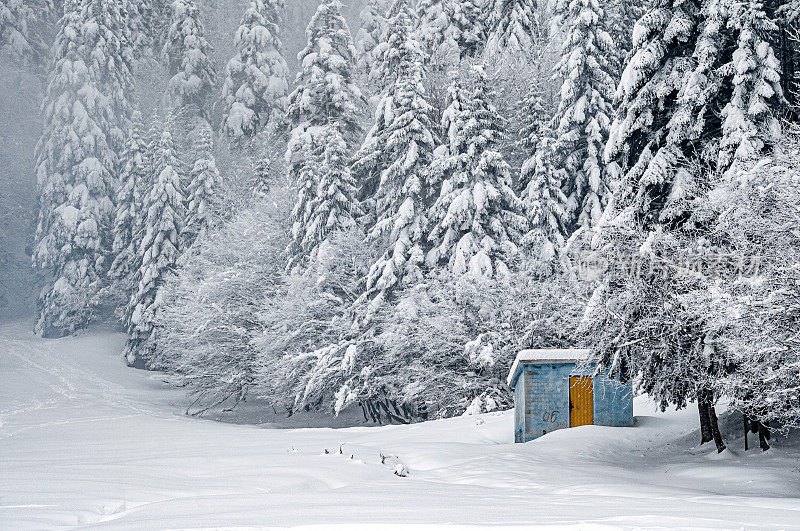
[392, 167]
[475, 222]
[255, 85]
[327, 200]
[186, 53]
[681, 76]
[514, 29]
[134, 183]
[18, 37]
[303, 157]
[469, 18]
[326, 93]
[544, 203]
[158, 251]
[582, 120]
[622, 16]
[326, 90]
[85, 112]
[748, 117]
[389, 51]
[676, 87]
[435, 31]
[202, 190]
[373, 24]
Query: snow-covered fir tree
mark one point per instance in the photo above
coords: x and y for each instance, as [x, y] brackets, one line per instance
[326, 94]
[303, 157]
[186, 53]
[85, 114]
[255, 86]
[748, 116]
[475, 221]
[513, 29]
[158, 250]
[435, 31]
[393, 167]
[544, 203]
[134, 182]
[327, 201]
[326, 89]
[469, 18]
[584, 112]
[622, 17]
[674, 91]
[202, 191]
[18, 32]
[400, 21]
[372, 25]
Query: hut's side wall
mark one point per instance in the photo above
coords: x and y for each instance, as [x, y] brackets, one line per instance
[613, 403]
[519, 410]
[546, 398]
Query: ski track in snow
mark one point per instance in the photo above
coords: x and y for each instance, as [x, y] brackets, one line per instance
[88, 442]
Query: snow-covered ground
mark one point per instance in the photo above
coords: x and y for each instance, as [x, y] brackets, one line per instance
[85, 441]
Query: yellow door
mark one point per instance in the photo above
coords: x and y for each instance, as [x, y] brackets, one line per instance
[581, 401]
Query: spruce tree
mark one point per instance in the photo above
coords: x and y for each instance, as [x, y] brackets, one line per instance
[304, 150]
[373, 24]
[326, 93]
[255, 85]
[469, 18]
[186, 53]
[400, 21]
[128, 221]
[475, 221]
[436, 32]
[748, 121]
[18, 32]
[326, 90]
[201, 194]
[327, 200]
[582, 120]
[513, 28]
[85, 113]
[689, 74]
[544, 203]
[393, 167]
[158, 251]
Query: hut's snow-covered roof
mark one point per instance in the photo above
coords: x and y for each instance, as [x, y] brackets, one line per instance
[547, 355]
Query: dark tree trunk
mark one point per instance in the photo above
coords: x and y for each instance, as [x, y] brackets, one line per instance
[746, 430]
[703, 405]
[712, 414]
[763, 436]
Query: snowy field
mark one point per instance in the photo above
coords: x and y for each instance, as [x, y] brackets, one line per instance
[87, 442]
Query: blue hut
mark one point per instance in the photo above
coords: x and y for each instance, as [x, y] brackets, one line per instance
[556, 389]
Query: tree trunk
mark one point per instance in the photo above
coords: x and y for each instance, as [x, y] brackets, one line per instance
[712, 414]
[746, 430]
[703, 404]
[763, 435]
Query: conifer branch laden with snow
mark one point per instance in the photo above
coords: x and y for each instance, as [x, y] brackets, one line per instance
[202, 191]
[128, 223]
